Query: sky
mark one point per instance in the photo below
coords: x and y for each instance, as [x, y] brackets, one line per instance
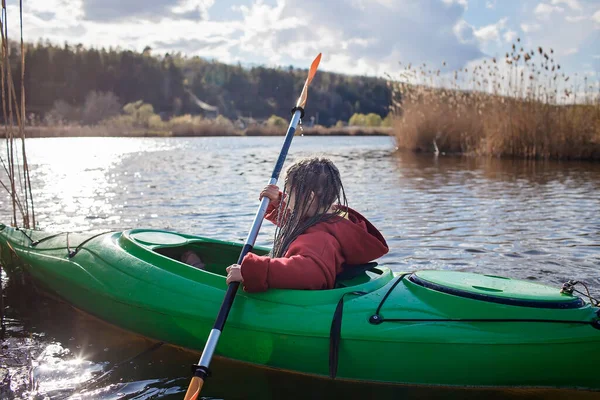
[364, 37]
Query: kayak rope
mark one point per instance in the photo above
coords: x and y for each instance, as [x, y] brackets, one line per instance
[23, 232]
[36, 242]
[387, 294]
[80, 245]
[569, 288]
[335, 334]
[377, 318]
[70, 252]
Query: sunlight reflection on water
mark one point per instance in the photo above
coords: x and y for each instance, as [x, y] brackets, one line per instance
[531, 220]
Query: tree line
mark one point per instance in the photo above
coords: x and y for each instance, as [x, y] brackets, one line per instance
[175, 84]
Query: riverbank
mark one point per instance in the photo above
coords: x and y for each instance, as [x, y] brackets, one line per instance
[192, 131]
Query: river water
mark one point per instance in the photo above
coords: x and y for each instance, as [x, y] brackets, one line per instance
[538, 221]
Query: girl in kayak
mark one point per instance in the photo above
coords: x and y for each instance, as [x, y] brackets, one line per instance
[317, 233]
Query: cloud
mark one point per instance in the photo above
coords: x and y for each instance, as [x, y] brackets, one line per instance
[152, 10]
[509, 36]
[355, 36]
[48, 19]
[192, 45]
[596, 17]
[573, 4]
[45, 15]
[543, 10]
[491, 32]
[491, 4]
[464, 32]
[111, 10]
[193, 7]
[462, 3]
[572, 50]
[394, 31]
[576, 19]
[530, 27]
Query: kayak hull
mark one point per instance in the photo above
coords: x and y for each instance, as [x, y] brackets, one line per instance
[131, 280]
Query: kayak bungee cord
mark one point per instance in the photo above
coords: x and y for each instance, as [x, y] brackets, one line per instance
[70, 253]
[377, 318]
[23, 232]
[201, 370]
[36, 242]
[80, 245]
[569, 288]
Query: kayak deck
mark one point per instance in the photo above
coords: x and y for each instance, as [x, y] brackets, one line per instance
[135, 280]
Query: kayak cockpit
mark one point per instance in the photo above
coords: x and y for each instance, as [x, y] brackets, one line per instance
[217, 255]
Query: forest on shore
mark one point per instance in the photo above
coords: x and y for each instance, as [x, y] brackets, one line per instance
[77, 85]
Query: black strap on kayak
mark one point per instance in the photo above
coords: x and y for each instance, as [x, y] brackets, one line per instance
[335, 334]
[594, 323]
[36, 242]
[377, 318]
[23, 232]
[80, 245]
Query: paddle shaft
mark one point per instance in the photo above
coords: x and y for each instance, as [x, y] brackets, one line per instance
[201, 371]
[213, 337]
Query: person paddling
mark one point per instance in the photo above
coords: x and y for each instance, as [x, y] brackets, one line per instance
[316, 235]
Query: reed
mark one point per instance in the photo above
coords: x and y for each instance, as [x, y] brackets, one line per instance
[522, 106]
[15, 165]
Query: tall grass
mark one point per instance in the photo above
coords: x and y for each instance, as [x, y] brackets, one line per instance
[14, 177]
[521, 106]
[17, 182]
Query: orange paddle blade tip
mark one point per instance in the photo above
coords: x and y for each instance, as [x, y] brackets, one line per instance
[313, 69]
[194, 389]
[311, 74]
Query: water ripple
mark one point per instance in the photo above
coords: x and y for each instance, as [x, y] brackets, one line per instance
[531, 220]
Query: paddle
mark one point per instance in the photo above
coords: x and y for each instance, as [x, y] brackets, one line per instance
[201, 370]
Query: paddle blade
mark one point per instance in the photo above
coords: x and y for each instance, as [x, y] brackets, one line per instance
[311, 74]
[194, 388]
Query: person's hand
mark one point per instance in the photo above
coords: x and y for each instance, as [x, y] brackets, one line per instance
[234, 273]
[272, 193]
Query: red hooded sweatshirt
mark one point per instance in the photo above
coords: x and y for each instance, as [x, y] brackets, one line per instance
[315, 258]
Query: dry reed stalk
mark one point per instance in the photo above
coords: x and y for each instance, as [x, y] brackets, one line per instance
[514, 110]
[9, 99]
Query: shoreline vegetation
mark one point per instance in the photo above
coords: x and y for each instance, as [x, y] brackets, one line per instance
[102, 116]
[205, 130]
[522, 106]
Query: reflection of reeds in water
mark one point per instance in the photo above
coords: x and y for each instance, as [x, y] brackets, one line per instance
[17, 181]
[522, 106]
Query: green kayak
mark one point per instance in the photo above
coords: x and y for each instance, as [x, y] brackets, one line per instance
[425, 327]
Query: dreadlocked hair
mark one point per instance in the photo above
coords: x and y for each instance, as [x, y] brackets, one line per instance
[310, 175]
